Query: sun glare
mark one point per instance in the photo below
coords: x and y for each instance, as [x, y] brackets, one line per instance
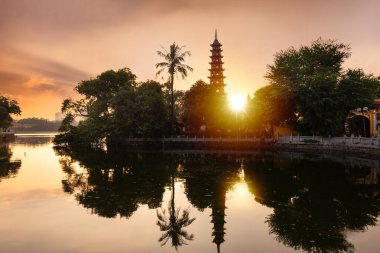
[237, 102]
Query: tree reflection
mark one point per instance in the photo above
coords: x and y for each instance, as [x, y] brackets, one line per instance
[315, 202]
[112, 184]
[172, 225]
[208, 178]
[8, 167]
[33, 141]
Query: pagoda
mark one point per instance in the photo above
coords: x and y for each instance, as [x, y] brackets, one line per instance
[216, 72]
[218, 219]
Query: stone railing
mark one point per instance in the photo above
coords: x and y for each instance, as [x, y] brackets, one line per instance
[344, 141]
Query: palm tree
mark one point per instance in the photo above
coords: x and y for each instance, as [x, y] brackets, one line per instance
[173, 224]
[174, 65]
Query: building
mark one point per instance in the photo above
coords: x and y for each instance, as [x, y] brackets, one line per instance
[367, 121]
[216, 71]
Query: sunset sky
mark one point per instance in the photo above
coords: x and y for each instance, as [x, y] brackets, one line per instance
[48, 46]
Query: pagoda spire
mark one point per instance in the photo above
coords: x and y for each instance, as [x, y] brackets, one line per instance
[216, 71]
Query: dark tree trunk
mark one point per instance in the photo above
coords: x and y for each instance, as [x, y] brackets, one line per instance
[172, 130]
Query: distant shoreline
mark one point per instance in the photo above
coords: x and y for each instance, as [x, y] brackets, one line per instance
[36, 133]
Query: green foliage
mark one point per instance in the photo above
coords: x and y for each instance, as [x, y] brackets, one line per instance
[358, 89]
[174, 64]
[150, 109]
[123, 109]
[7, 107]
[94, 110]
[179, 97]
[309, 90]
[140, 111]
[204, 105]
[266, 103]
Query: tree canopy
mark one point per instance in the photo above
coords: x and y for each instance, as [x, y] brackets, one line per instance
[204, 105]
[310, 91]
[113, 106]
[8, 107]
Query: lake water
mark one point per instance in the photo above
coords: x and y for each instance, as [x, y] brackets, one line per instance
[93, 201]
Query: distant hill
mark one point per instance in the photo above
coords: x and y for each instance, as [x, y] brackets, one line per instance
[35, 125]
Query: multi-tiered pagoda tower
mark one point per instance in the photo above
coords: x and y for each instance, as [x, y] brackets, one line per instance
[216, 72]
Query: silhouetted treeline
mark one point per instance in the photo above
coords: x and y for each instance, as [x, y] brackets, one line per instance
[313, 209]
[308, 92]
[35, 124]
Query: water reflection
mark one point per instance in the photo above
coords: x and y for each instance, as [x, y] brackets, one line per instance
[114, 184]
[173, 225]
[315, 201]
[8, 167]
[34, 140]
[208, 178]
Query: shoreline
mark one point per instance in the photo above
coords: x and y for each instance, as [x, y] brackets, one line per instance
[7, 137]
[338, 150]
[370, 150]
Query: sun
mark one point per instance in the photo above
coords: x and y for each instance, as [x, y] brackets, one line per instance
[237, 102]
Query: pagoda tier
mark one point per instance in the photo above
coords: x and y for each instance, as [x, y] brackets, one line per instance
[218, 219]
[216, 71]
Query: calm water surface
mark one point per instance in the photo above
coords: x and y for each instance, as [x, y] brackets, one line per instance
[92, 201]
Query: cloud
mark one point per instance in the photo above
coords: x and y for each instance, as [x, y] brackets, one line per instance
[26, 74]
[37, 83]
[63, 18]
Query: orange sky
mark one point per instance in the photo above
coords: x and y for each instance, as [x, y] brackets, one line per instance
[47, 46]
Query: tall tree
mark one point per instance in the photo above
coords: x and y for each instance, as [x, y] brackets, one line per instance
[264, 108]
[113, 106]
[358, 89]
[322, 92]
[204, 105]
[95, 108]
[174, 64]
[7, 107]
[150, 109]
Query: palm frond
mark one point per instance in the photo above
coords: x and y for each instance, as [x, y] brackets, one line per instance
[174, 61]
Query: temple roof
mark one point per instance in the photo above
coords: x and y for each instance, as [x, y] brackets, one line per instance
[216, 43]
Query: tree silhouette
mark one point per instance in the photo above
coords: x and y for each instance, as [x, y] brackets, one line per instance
[111, 184]
[174, 64]
[172, 225]
[8, 168]
[7, 107]
[315, 202]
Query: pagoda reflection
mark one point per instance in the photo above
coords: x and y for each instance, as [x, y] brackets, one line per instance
[316, 201]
